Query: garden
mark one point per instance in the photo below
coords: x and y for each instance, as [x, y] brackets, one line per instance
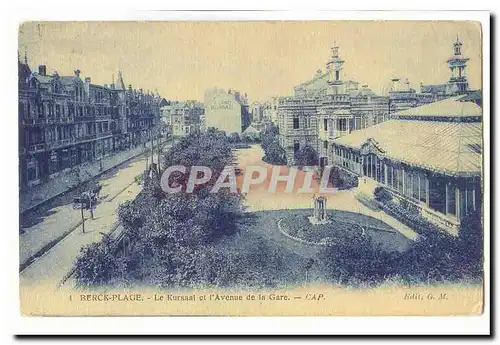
[342, 226]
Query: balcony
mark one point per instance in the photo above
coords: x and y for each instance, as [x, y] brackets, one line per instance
[86, 118]
[104, 134]
[36, 148]
[60, 143]
[34, 121]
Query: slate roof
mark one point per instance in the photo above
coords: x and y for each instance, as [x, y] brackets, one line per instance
[437, 88]
[449, 107]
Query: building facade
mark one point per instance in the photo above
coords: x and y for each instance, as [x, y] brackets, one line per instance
[226, 110]
[297, 123]
[65, 121]
[184, 117]
[341, 106]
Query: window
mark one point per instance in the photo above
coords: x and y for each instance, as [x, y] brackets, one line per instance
[295, 123]
[423, 187]
[21, 109]
[325, 124]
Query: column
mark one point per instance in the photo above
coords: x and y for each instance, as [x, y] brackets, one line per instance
[446, 198]
[457, 201]
[474, 198]
[385, 173]
[427, 197]
[419, 188]
[403, 180]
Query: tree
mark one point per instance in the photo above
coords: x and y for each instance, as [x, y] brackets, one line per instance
[269, 136]
[274, 154]
[96, 263]
[168, 231]
[306, 156]
[234, 138]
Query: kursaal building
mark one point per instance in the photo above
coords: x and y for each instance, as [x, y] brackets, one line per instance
[424, 147]
[226, 110]
[429, 156]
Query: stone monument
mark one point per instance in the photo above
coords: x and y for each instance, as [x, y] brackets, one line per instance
[319, 215]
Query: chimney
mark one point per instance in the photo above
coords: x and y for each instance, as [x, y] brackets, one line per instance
[395, 84]
[77, 73]
[42, 70]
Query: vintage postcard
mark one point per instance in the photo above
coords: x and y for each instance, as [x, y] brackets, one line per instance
[252, 168]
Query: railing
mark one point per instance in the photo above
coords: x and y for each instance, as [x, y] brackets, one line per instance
[36, 148]
[435, 217]
[34, 121]
[59, 143]
[104, 134]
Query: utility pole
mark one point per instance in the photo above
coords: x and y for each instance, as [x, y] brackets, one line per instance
[90, 207]
[158, 149]
[83, 220]
[151, 140]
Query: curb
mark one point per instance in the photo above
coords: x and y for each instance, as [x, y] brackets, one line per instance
[68, 275]
[299, 239]
[47, 247]
[58, 239]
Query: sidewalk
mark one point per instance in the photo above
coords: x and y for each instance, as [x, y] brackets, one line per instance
[54, 265]
[65, 181]
[43, 227]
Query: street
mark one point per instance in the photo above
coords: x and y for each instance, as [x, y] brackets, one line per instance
[54, 230]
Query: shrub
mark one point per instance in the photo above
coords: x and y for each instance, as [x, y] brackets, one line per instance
[343, 179]
[306, 156]
[96, 264]
[274, 154]
[409, 218]
[382, 194]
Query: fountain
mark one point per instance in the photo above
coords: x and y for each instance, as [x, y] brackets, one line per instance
[319, 215]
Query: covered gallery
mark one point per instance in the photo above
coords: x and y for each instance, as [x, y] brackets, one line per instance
[430, 156]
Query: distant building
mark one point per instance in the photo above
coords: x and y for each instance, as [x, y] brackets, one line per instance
[65, 121]
[257, 110]
[251, 132]
[402, 97]
[270, 111]
[226, 110]
[184, 117]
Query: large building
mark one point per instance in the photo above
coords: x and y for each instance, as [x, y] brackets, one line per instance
[183, 118]
[65, 121]
[343, 107]
[430, 156]
[226, 110]
[334, 107]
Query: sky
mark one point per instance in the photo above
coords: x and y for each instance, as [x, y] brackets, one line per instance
[263, 59]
